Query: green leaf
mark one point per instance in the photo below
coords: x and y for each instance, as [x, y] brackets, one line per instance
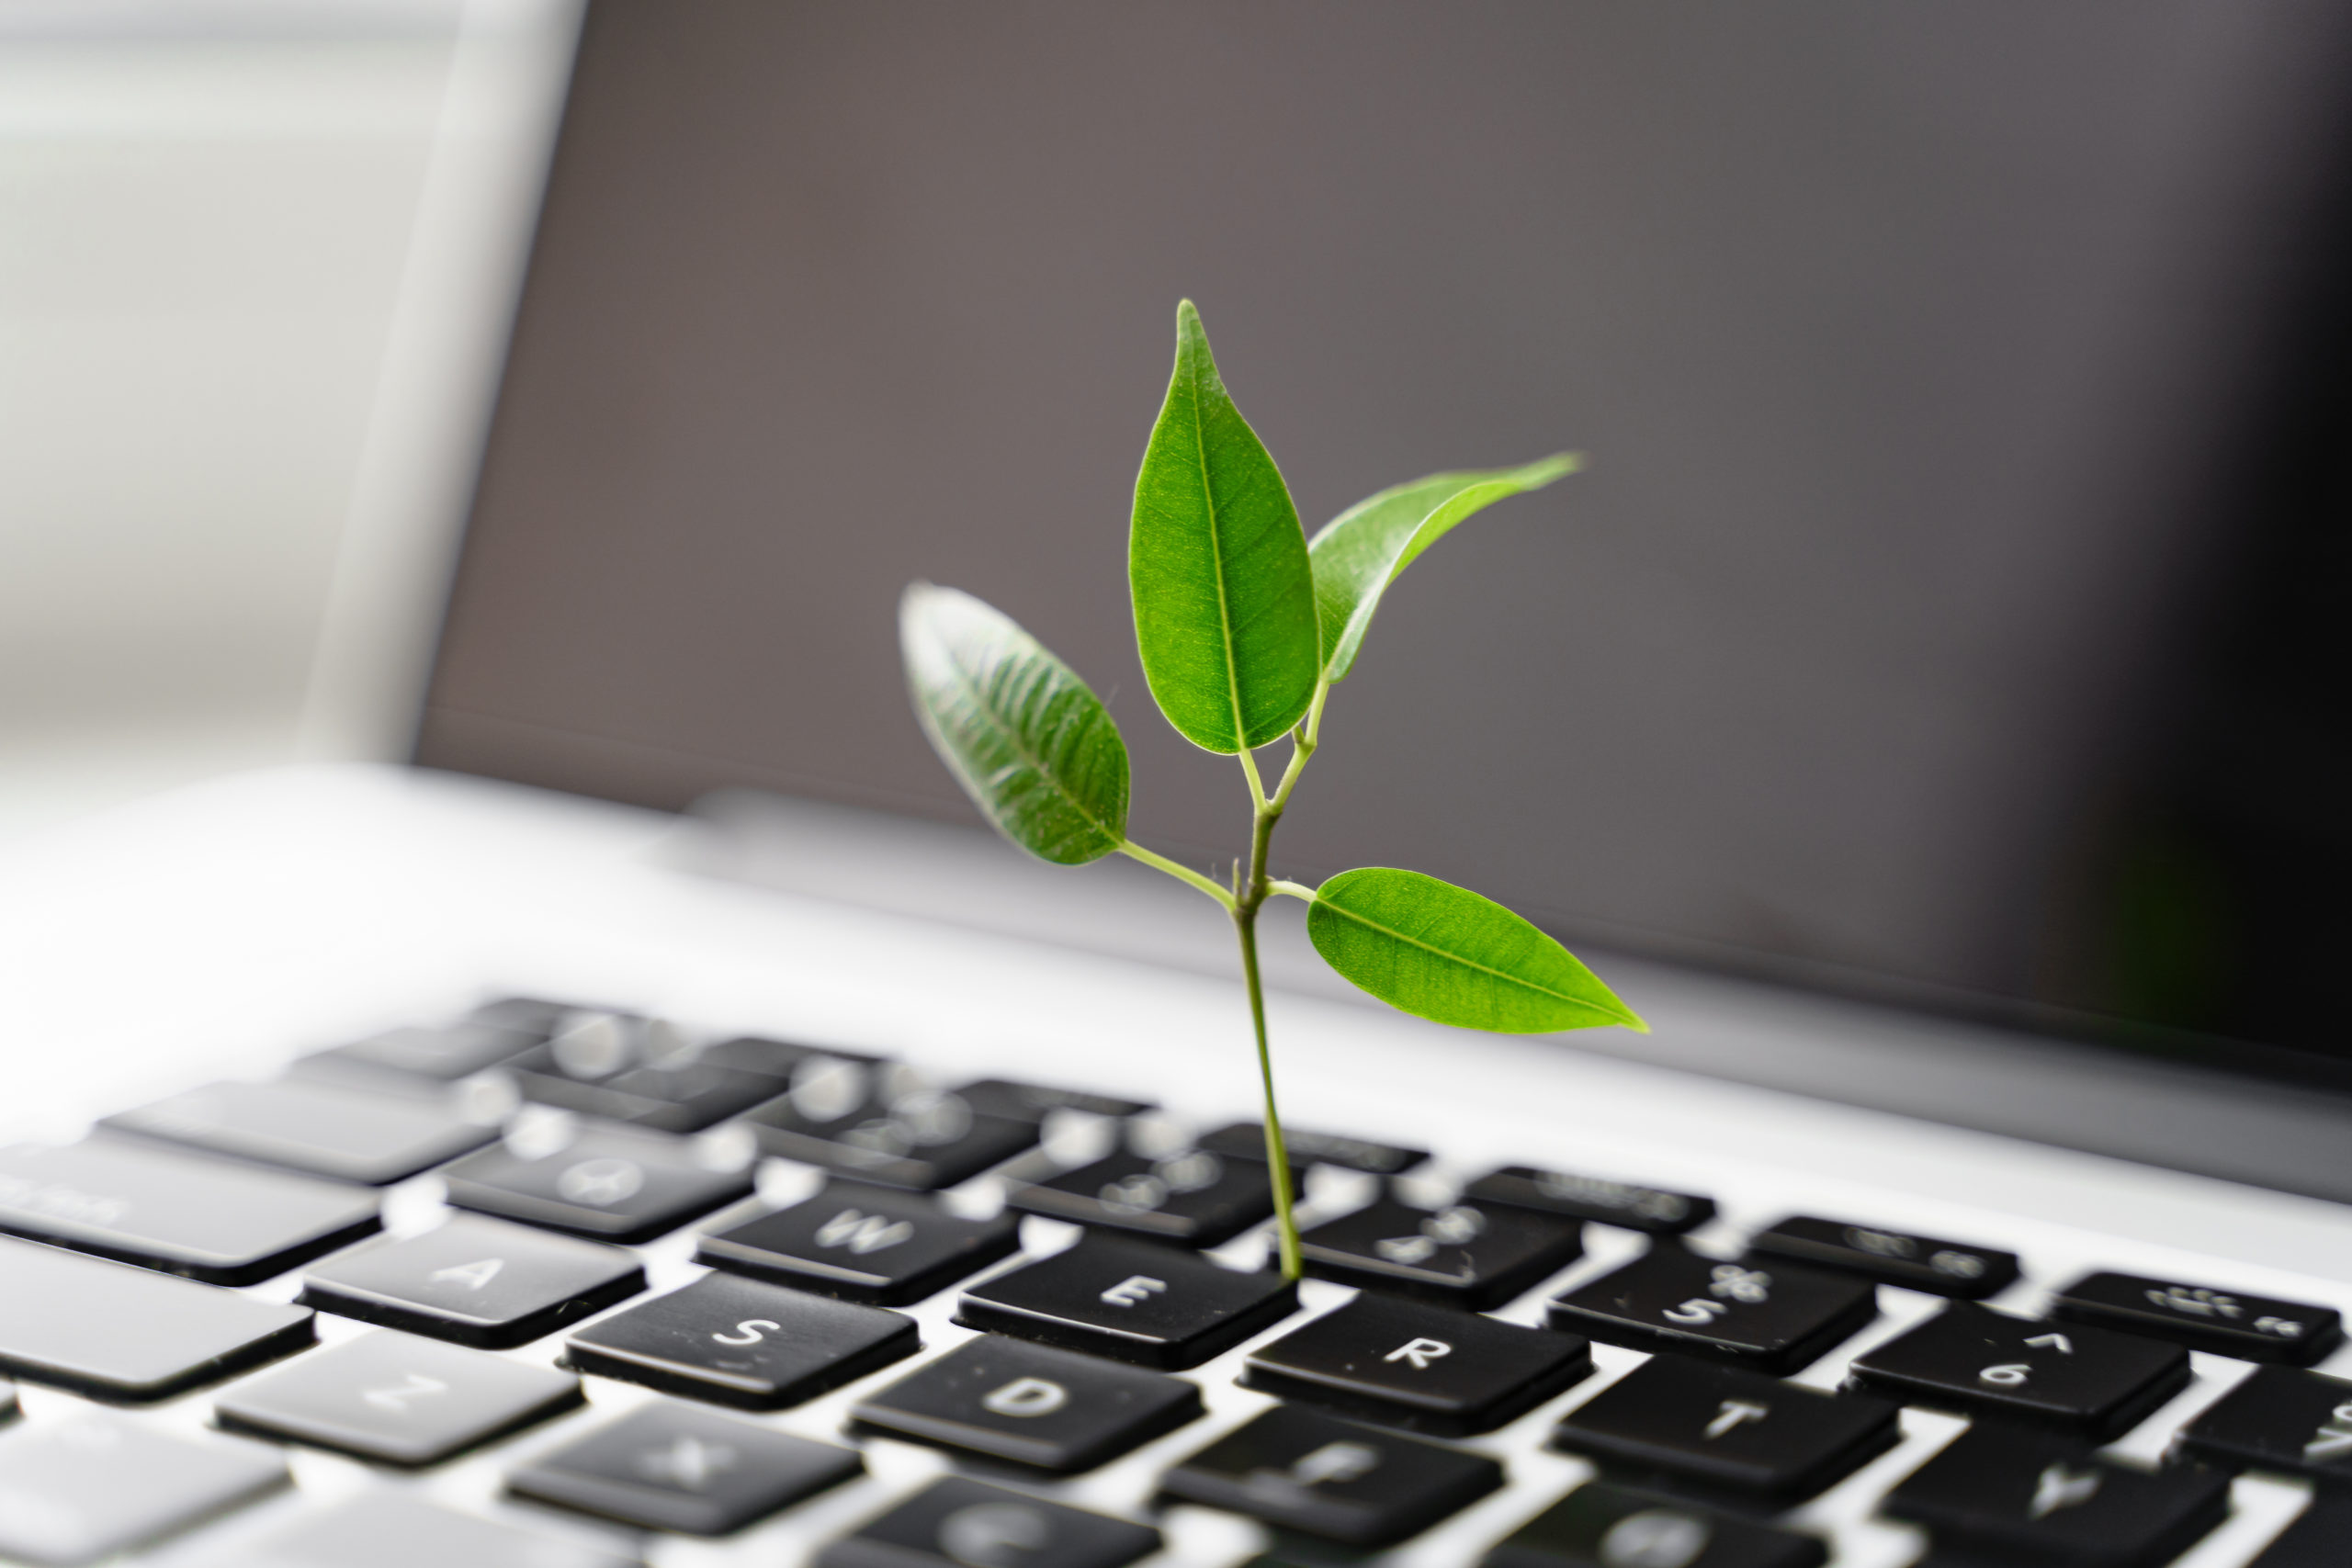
[1440, 952]
[1033, 747]
[1359, 553]
[1216, 560]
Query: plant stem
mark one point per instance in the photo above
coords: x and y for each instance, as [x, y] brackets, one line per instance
[1183, 874]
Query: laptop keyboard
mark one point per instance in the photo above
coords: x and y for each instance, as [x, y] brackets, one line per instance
[671, 1302]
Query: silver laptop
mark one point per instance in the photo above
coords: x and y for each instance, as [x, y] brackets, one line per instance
[663, 1127]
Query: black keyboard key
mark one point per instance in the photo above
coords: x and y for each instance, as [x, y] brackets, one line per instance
[957, 1523]
[2032, 1499]
[1650, 1209]
[7, 1404]
[1979, 1361]
[1030, 1404]
[1427, 1369]
[2321, 1538]
[396, 1399]
[320, 1129]
[1601, 1526]
[2252, 1328]
[1465, 1256]
[397, 1529]
[1303, 1470]
[114, 1332]
[880, 1124]
[418, 1060]
[620, 1067]
[620, 1186]
[1191, 1197]
[2278, 1420]
[668, 1466]
[1892, 1258]
[1768, 1320]
[94, 1486]
[1021, 1102]
[474, 1282]
[1722, 1427]
[742, 1343]
[863, 1244]
[204, 1218]
[535, 1016]
[1247, 1140]
[1131, 1302]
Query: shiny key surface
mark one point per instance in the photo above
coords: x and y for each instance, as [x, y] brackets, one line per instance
[1427, 1369]
[1774, 1320]
[320, 1129]
[959, 1523]
[1974, 1359]
[1961, 1269]
[1303, 1470]
[1129, 1301]
[1604, 1526]
[418, 1060]
[880, 1123]
[674, 1466]
[1653, 1210]
[2294, 1423]
[1463, 1255]
[396, 1398]
[395, 1529]
[2033, 1499]
[187, 1214]
[619, 1187]
[1191, 1197]
[88, 1487]
[1035, 1101]
[1030, 1404]
[115, 1332]
[739, 1342]
[1247, 1140]
[1725, 1429]
[474, 1282]
[862, 1244]
[2322, 1538]
[2252, 1328]
[620, 1067]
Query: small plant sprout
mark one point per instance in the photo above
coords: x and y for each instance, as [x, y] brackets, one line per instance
[1245, 626]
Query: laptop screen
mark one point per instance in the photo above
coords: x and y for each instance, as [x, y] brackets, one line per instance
[1941, 616]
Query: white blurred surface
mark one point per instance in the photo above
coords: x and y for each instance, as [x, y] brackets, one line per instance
[256, 262]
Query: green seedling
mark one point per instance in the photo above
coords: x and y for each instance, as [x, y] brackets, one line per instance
[1245, 626]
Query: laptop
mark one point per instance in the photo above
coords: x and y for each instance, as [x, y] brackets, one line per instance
[660, 1125]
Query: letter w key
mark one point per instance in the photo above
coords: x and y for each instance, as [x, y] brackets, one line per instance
[863, 1234]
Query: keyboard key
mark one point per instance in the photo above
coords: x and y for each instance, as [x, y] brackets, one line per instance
[645, 1071]
[2321, 1538]
[2278, 1420]
[474, 1282]
[1034, 1102]
[1976, 1360]
[742, 1343]
[1427, 1369]
[1247, 1140]
[318, 1128]
[396, 1399]
[1768, 1320]
[1191, 1197]
[7, 1404]
[395, 1529]
[2252, 1328]
[115, 1332]
[1030, 1405]
[1462, 1255]
[881, 1125]
[621, 1186]
[1600, 1526]
[204, 1218]
[668, 1466]
[1892, 1258]
[93, 1485]
[424, 1058]
[1303, 1470]
[957, 1523]
[1650, 1209]
[1129, 1301]
[863, 1244]
[2034, 1498]
[1730, 1429]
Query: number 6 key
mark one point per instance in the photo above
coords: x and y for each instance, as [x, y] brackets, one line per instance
[1974, 1360]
